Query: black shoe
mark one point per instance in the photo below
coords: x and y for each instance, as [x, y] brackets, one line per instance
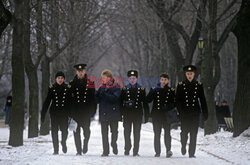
[192, 156]
[85, 149]
[64, 148]
[135, 154]
[169, 154]
[55, 153]
[157, 155]
[115, 150]
[126, 153]
[104, 155]
[78, 154]
[183, 150]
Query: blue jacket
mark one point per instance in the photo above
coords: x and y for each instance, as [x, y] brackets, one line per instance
[108, 98]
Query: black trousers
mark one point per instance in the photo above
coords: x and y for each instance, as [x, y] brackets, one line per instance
[105, 136]
[189, 125]
[127, 124]
[84, 124]
[158, 124]
[59, 122]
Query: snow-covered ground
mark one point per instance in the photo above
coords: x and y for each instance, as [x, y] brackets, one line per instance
[219, 148]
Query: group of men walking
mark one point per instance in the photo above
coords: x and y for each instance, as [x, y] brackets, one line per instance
[130, 104]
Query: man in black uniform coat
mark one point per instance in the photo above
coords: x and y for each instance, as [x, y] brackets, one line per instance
[190, 100]
[59, 95]
[163, 98]
[83, 105]
[134, 105]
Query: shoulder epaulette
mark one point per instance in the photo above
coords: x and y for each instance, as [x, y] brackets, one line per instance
[69, 86]
[180, 83]
[123, 88]
[153, 87]
[142, 88]
[172, 89]
[71, 81]
[51, 86]
[199, 83]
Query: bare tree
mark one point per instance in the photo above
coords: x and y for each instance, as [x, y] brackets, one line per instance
[18, 86]
[241, 113]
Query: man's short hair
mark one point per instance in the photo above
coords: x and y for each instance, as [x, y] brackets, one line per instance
[224, 101]
[107, 73]
[164, 75]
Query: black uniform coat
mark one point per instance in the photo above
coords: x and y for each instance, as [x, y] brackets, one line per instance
[190, 99]
[83, 101]
[163, 100]
[59, 95]
[133, 102]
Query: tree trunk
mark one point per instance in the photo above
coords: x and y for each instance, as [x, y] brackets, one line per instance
[210, 68]
[209, 87]
[31, 71]
[241, 112]
[33, 102]
[45, 127]
[18, 84]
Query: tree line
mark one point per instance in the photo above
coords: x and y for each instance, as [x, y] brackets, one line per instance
[152, 36]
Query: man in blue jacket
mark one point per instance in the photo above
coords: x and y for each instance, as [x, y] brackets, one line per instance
[108, 98]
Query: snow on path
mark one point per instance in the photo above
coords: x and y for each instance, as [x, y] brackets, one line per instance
[39, 151]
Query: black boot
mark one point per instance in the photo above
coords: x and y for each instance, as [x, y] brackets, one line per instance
[78, 154]
[64, 147]
[105, 154]
[183, 150]
[85, 148]
[157, 155]
[169, 154]
[115, 150]
[126, 153]
[135, 154]
[55, 152]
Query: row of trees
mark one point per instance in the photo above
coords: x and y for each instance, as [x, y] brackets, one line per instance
[159, 35]
[45, 32]
[152, 36]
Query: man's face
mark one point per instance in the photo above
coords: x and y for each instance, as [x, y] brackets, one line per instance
[9, 101]
[81, 74]
[59, 80]
[105, 79]
[164, 81]
[190, 76]
[132, 80]
[216, 103]
[224, 104]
